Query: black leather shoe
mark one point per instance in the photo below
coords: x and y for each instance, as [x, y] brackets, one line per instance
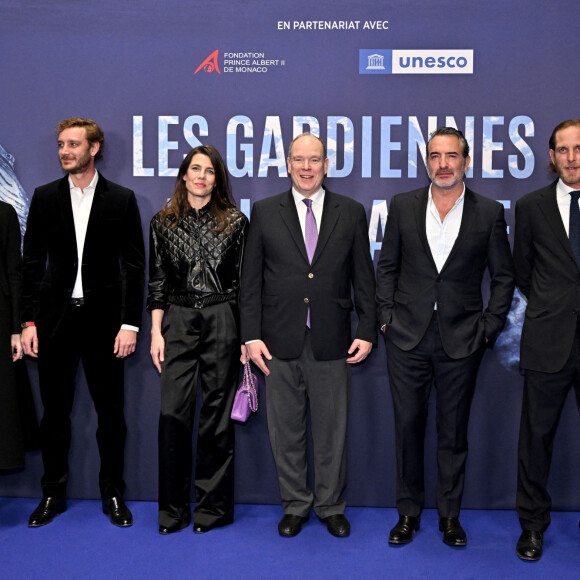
[177, 527]
[337, 525]
[529, 546]
[290, 525]
[47, 510]
[402, 533]
[118, 512]
[453, 533]
[204, 528]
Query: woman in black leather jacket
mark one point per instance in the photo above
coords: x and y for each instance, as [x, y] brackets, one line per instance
[196, 246]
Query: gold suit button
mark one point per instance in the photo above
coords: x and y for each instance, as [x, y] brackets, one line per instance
[310, 275]
[306, 300]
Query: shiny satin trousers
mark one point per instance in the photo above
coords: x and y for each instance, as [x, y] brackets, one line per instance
[201, 346]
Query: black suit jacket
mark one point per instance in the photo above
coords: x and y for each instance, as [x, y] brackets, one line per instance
[113, 259]
[408, 284]
[548, 276]
[279, 284]
[10, 269]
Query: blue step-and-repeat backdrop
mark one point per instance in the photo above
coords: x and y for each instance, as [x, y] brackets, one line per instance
[372, 79]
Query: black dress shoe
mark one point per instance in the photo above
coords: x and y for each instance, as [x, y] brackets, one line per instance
[118, 512]
[290, 525]
[176, 527]
[204, 528]
[337, 525]
[453, 533]
[47, 510]
[402, 533]
[529, 546]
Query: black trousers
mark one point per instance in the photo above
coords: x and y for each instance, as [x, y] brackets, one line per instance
[200, 344]
[81, 339]
[11, 429]
[543, 401]
[292, 386]
[411, 374]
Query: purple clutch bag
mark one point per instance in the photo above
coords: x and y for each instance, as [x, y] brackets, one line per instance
[246, 399]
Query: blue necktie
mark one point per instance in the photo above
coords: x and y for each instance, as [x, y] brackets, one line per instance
[574, 232]
[310, 238]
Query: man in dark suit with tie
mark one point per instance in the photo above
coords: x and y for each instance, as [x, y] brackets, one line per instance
[438, 243]
[547, 264]
[306, 256]
[83, 278]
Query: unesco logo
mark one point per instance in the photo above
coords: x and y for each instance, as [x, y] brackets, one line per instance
[420, 61]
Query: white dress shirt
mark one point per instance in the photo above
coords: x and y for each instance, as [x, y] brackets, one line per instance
[82, 202]
[441, 235]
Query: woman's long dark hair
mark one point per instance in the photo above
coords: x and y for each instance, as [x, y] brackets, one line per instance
[221, 196]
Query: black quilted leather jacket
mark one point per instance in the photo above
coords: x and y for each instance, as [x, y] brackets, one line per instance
[191, 264]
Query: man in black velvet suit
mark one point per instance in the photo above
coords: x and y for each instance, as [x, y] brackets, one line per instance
[547, 263]
[83, 277]
[438, 243]
[307, 253]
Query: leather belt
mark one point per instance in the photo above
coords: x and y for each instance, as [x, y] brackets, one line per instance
[77, 301]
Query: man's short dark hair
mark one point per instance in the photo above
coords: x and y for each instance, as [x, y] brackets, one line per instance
[455, 133]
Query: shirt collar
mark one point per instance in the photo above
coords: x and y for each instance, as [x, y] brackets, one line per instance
[316, 198]
[563, 190]
[457, 201]
[91, 186]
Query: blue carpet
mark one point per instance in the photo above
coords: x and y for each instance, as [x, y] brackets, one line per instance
[81, 543]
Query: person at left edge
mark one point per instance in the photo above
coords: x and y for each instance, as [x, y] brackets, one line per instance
[83, 280]
[12, 434]
[197, 242]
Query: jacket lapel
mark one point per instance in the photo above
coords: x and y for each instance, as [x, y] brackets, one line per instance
[330, 215]
[97, 208]
[289, 215]
[66, 214]
[467, 224]
[421, 199]
[548, 205]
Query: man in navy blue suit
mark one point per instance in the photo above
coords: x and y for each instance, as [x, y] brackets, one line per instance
[547, 263]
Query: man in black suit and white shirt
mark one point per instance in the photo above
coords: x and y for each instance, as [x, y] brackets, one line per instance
[547, 264]
[439, 241]
[307, 254]
[83, 278]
